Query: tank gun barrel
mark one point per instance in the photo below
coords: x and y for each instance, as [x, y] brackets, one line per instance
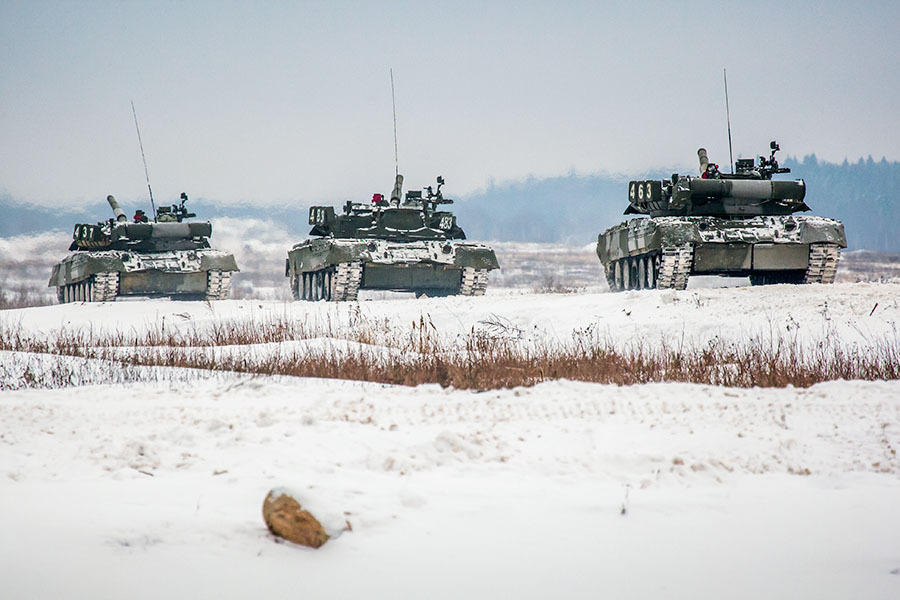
[397, 194]
[704, 159]
[120, 214]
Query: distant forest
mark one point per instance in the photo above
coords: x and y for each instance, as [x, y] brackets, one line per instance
[570, 209]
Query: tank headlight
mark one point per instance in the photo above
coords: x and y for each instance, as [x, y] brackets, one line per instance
[447, 249]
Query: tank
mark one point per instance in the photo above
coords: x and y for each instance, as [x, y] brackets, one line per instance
[168, 256]
[732, 224]
[403, 243]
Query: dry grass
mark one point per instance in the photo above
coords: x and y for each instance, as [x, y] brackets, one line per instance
[487, 358]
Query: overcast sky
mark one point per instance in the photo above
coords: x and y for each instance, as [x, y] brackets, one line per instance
[291, 102]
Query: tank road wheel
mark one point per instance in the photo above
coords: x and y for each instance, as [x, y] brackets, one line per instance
[650, 271]
[643, 262]
[321, 285]
[474, 282]
[611, 276]
[329, 284]
[620, 276]
[308, 287]
[632, 273]
[324, 284]
[636, 272]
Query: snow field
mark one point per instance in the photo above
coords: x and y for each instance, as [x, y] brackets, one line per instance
[746, 492]
[111, 487]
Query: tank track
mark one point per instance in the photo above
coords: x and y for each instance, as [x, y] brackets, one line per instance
[474, 282]
[101, 287]
[218, 285]
[337, 284]
[675, 267]
[823, 263]
[346, 280]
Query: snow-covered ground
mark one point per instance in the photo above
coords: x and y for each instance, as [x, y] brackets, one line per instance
[154, 488]
[860, 314]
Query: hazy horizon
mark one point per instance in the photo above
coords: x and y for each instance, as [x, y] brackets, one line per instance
[282, 102]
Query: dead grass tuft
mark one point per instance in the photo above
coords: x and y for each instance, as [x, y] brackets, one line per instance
[490, 357]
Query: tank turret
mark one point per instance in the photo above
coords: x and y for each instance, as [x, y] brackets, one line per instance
[416, 218]
[747, 192]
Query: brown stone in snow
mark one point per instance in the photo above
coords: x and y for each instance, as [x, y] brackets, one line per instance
[286, 518]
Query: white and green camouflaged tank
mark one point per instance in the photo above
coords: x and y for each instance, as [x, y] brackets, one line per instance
[400, 244]
[165, 257]
[739, 224]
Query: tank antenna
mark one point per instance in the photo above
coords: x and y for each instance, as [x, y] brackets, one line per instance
[144, 158]
[394, 107]
[728, 119]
